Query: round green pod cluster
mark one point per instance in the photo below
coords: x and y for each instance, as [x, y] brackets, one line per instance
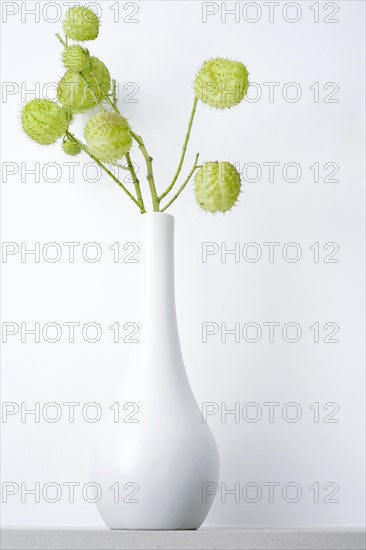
[76, 58]
[44, 121]
[81, 92]
[108, 136]
[71, 147]
[221, 83]
[217, 186]
[81, 24]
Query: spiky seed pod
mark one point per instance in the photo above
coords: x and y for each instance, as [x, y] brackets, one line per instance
[217, 186]
[76, 58]
[70, 147]
[81, 24]
[80, 92]
[221, 83]
[108, 136]
[44, 121]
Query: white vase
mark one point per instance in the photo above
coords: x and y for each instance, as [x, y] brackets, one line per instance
[160, 463]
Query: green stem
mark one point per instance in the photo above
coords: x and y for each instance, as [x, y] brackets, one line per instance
[150, 175]
[147, 158]
[61, 40]
[86, 150]
[114, 92]
[112, 104]
[194, 167]
[128, 158]
[184, 149]
[136, 183]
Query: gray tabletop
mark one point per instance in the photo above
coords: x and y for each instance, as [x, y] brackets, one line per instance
[218, 538]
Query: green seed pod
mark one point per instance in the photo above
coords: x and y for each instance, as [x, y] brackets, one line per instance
[44, 121]
[221, 83]
[81, 92]
[70, 147]
[217, 186]
[108, 136]
[76, 58]
[81, 24]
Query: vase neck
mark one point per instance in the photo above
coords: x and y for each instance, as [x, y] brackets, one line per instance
[159, 295]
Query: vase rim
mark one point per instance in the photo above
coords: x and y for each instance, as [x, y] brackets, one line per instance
[162, 214]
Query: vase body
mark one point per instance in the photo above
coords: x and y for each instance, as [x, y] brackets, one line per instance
[161, 460]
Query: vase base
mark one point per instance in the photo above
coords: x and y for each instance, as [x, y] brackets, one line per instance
[154, 529]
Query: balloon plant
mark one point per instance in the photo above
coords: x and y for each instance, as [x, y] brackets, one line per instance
[108, 137]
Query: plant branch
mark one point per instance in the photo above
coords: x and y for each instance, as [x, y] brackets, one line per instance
[136, 183]
[112, 104]
[122, 167]
[135, 180]
[114, 91]
[194, 167]
[148, 159]
[150, 175]
[184, 149]
[61, 40]
[110, 174]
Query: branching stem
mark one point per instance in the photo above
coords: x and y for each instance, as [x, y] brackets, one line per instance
[112, 104]
[114, 92]
[110, 174]
[136, 183]
[148, 159]
[194, 167]
[184, 149]
[150, 175]
[61, 40]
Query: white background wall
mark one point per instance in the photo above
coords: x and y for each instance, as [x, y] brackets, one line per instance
[161, 53]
